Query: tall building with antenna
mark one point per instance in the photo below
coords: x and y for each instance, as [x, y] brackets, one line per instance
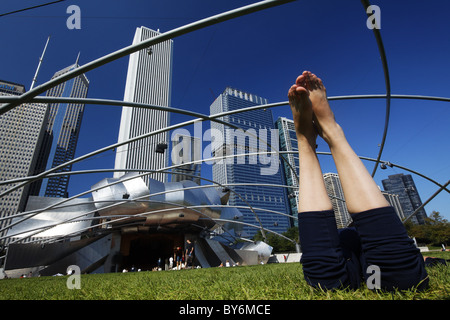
[62, 132]
[149, 81]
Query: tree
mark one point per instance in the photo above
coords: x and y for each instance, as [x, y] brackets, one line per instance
[435, 231]
[278, 243]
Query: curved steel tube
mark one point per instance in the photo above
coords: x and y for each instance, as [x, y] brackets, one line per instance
[393, 96]
[45, 99]
[120, 103]
[398, 166]
[387, 81]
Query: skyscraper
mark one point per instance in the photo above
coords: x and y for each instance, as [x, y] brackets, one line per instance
[247, 173]
[288, 143]
[61, 135]
[149, 81]
[409, 197]
[21, 133]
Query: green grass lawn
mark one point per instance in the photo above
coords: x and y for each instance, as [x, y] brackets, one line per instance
[262, 282]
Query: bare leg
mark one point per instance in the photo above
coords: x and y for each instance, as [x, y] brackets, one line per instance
[360, 191]
[312, 192]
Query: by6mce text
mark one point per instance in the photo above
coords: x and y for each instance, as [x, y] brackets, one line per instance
[242, 309]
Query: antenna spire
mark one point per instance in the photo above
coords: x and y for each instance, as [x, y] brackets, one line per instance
[78, 58]
[39, 65]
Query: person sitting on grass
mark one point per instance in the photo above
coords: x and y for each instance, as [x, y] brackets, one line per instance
[333, 259]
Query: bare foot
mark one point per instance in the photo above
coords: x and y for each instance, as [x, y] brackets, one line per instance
[301, 108]
[323, 117]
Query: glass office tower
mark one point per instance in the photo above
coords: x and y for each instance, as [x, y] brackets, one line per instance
[149, 81]
[248, 173]
[61, 136]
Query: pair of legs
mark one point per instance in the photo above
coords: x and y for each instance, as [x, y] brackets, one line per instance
[329, 259]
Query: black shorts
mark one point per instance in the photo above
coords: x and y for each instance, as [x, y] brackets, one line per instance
[333, 258]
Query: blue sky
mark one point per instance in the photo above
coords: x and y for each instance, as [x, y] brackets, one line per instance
[262, 54]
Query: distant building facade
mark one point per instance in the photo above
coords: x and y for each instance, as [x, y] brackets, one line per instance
[21, 134]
